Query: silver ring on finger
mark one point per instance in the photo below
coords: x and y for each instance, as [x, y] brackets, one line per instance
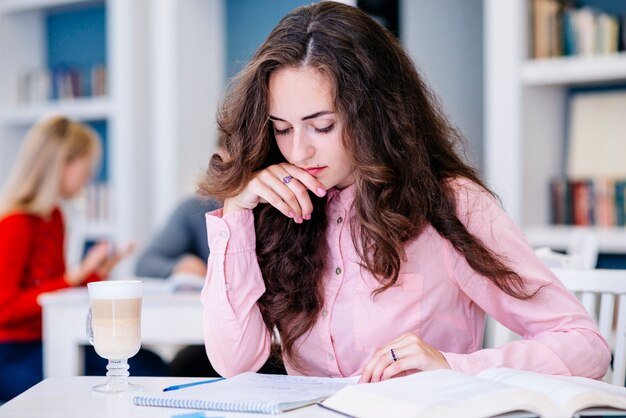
[287, 179]
[394, 355]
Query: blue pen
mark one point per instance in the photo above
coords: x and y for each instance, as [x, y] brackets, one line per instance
[186, 385]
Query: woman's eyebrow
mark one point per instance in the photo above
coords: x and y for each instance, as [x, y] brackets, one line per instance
[312, 116]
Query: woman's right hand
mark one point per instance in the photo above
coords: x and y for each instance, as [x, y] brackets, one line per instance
[270, 186]
[100, 260]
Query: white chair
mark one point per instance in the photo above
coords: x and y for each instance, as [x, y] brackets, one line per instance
[582, 251]
[603, 294]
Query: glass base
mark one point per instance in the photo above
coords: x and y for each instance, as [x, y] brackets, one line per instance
[118, 379]
[113, 386]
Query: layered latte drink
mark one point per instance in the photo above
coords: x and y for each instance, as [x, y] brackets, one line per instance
[114, 328]
[116, 325]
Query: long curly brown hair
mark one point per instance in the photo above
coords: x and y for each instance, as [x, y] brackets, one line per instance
[403, 150]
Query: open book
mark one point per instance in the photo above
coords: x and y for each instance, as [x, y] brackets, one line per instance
[185, 282]
[250, 392]
[444, 393]
[174, 284]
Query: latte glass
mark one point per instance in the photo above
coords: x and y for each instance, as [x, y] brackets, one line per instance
[114, 329]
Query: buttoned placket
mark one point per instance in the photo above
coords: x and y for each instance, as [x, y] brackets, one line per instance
[333, 284]
[223, 237]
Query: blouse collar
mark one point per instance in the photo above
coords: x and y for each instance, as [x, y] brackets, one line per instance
[343, 197]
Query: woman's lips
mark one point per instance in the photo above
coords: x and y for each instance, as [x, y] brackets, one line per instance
[314, 170]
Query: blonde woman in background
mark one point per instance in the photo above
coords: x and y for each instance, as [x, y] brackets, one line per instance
[57, 159]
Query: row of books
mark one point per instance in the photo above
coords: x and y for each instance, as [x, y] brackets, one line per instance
[560, 29]
[61, 83]
[599, 201]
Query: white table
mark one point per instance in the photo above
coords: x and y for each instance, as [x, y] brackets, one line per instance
[63, 397]
[166, 319]
[68, 397]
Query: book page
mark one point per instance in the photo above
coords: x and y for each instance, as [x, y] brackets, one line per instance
[283, 392]
[570, 394]
[437, 393]
[185, 282]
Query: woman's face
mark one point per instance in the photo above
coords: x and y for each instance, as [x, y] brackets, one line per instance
[75, 175]
[306, 127]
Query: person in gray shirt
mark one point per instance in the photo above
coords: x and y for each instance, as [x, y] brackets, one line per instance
[181, 246]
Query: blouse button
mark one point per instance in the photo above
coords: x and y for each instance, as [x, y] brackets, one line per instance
[324, 312]
[337, 271]
[331, 357]
[339, 220]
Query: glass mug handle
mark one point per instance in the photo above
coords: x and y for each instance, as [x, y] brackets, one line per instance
[88, 327]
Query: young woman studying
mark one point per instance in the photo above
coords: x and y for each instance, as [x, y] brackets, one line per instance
[353, 228]
[56, 160]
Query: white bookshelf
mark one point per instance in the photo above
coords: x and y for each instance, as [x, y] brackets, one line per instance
[525, 108]
[165, 75]
[23, 48]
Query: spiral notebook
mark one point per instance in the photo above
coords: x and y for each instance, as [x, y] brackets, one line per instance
[250, 392]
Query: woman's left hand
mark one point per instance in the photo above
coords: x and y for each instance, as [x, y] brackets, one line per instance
[412, 354]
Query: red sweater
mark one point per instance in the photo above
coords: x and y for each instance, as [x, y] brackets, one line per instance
[31, 263]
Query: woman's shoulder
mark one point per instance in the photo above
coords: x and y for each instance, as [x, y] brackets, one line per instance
[474, 203]
[21, 218]
[16, 219]
[466, 190]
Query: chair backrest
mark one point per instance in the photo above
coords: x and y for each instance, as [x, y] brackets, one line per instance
[603, 294]
[581, 252]
[583, 243]
[554, 259]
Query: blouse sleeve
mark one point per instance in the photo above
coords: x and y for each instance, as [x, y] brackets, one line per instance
[235, 334]
[558, 335]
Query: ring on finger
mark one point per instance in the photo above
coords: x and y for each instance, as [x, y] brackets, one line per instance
[287, 179]
[394, 355]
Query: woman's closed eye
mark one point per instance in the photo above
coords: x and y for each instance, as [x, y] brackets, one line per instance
[325, 130]
[284, 131]
[281, 131]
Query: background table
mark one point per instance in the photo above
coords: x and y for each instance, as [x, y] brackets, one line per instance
[166, 319]
[63, 397]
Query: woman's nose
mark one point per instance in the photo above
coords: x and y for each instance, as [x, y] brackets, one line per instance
[302, 147]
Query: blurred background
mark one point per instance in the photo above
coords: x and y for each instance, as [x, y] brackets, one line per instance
[148, 76]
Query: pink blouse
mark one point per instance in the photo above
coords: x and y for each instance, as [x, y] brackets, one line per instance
[437, 296]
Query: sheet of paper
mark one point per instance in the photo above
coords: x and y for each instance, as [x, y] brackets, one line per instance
[258, 388]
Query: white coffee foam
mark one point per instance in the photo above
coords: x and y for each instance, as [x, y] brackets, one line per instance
[116, 289]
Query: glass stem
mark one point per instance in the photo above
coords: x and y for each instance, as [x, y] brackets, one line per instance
[117, 370]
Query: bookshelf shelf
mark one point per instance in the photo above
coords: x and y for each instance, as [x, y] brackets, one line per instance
[564, 71]
[610, 240]
[79, 108]
[16, 6]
